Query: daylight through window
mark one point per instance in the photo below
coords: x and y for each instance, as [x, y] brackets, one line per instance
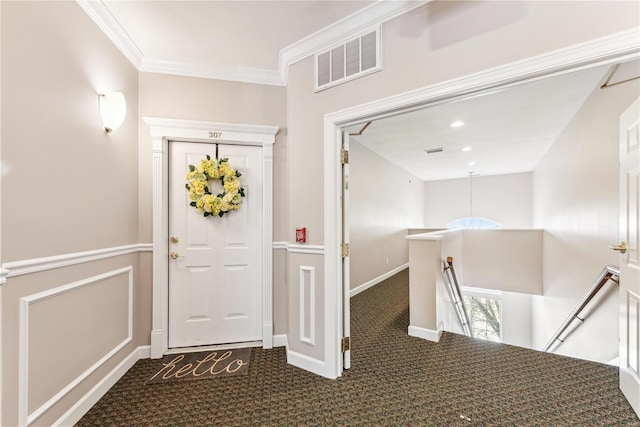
[484, 315]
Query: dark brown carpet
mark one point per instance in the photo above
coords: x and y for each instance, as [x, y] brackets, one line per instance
[395, 380]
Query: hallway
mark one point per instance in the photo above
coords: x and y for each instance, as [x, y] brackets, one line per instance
[395, 380]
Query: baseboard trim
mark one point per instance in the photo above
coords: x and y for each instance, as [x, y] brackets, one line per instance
[426, 334]
[280, 340]
[361, 288]
[307, 363]
[82, 406]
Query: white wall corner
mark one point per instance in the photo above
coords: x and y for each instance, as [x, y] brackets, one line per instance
[426, 334]
[280, 340]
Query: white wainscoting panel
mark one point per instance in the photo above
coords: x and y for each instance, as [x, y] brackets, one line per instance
[307, 289]
[24, 417]
[82, 406]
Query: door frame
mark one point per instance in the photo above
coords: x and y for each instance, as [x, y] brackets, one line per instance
[606, 50]
[164, 131]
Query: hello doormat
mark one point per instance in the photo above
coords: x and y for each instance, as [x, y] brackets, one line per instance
[202, 365]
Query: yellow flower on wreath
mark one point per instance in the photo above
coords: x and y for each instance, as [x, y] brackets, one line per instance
[199, 191]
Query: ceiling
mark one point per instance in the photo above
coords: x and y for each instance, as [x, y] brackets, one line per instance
[208, 33]
[508, 130]
[255, 41]
[504, 131]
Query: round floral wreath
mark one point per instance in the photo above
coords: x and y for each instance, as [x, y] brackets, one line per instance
[198, 187]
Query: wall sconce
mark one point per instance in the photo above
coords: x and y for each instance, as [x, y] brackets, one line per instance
[113, 108]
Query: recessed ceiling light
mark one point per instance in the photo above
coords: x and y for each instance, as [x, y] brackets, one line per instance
[466, 148]
[472, 163]
[456, 124]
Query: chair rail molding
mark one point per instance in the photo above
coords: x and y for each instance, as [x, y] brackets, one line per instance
[164, 130]
[35, 265]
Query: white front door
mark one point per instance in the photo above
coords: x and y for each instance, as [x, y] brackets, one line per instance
[215, 288]
[630, 259]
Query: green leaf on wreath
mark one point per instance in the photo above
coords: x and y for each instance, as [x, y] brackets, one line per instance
[208, 157]
[241, 191]
[206, 214]
[238, 174]
[220, 214]
[192, 168]
[187, 185]
[192, 204]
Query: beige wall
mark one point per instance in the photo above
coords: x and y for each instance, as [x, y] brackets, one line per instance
[384, 201]
[576, 202]
[67, 187]
[506, 199]
[58, 163]
[434, 43]
[189, 98]
[507, 260]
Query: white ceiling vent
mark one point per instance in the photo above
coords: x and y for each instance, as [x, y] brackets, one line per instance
[347, 61]
[434, 150]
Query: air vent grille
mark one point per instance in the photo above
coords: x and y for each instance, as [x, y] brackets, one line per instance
[347, 61]
[434, 150]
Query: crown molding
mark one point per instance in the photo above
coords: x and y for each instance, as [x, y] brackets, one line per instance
[220, 72]
[103, 18]
[343, 29]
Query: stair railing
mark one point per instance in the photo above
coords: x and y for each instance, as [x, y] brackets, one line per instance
[453, 289]
[608, 273]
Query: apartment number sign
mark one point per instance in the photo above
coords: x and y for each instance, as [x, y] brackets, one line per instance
[215, 135]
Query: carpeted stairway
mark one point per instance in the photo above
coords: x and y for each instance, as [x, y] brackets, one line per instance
[395, 380]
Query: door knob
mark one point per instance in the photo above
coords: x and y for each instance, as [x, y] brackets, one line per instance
[622, 247]
[174, 255]
[174, 239]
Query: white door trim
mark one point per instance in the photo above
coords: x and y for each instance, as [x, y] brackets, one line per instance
[163, 131]
[614, 48]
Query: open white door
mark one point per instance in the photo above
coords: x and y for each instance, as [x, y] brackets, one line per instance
[346, 284]
[215, 270]
[629, 255]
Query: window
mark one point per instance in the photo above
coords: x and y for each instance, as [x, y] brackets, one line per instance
[484, 316]
[474, 223]
[349, 60]
[484, 307]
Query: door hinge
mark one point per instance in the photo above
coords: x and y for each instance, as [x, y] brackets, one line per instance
[346, 344]
[344, 157]
[344, 250]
